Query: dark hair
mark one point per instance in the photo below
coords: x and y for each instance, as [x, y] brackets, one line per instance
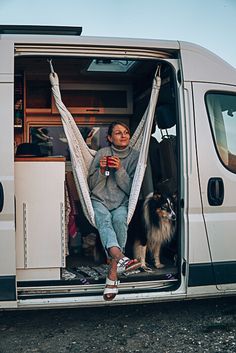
[113, 124]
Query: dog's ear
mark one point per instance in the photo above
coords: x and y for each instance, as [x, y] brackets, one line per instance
[174, 196]
[156, 195]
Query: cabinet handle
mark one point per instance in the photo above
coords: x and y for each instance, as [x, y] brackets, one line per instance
[1, 197]
[93, 110]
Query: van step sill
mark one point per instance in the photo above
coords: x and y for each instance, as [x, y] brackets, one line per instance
[72, 290]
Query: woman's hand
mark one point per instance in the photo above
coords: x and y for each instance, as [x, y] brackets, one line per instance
[113, 162]
[103, 164]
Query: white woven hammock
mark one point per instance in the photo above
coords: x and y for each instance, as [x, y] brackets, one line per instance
[82, 155]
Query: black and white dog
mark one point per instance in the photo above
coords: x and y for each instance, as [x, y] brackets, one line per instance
[159, 221]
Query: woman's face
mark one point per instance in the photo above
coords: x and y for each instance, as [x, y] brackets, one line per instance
[120, 136]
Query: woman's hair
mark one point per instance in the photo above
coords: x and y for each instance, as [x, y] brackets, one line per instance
[113, 124]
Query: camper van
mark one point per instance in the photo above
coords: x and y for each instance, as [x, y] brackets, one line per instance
[50, 252]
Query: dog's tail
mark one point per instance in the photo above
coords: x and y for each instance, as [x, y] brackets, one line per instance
[150, 216]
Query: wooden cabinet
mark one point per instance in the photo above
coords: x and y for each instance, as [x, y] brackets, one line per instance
[86, 99]
[38, 96]
[39, 197]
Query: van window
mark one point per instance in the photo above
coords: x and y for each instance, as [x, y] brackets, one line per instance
[52, 139]
[221, 109]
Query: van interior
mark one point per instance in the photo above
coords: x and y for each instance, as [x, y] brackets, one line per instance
[97, 91]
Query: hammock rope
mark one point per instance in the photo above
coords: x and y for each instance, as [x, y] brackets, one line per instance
[82, 155]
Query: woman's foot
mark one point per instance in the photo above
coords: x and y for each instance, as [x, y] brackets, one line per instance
[126, 265]
[111, 286]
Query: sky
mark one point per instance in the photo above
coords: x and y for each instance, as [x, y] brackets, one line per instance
[210, 23]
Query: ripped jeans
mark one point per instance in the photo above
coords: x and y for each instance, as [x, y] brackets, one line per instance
[111, 225]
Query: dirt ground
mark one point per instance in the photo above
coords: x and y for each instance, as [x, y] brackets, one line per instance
[178, 327]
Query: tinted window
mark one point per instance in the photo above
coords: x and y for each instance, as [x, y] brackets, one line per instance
[222, 112]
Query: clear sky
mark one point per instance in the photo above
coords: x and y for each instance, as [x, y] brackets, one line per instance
[210, 23]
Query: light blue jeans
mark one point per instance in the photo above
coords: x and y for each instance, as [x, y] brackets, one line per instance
[112, 225]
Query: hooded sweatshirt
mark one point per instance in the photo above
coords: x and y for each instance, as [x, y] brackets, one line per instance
[113, 190]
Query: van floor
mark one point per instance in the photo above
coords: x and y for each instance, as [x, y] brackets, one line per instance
[84, 270]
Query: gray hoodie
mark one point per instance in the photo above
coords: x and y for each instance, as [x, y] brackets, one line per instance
[113, 190]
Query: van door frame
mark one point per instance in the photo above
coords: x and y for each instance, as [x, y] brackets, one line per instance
[7, 217]
[199, 266]
[183, 286]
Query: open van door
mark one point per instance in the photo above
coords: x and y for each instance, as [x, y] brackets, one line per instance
[7, 226]
[215, 121]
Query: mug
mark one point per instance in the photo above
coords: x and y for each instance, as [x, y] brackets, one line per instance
[108, 166]
[109, 161]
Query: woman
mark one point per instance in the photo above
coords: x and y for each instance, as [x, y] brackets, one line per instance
[110, 180]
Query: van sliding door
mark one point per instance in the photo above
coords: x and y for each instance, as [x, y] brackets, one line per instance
[215, 119]
[7, 226]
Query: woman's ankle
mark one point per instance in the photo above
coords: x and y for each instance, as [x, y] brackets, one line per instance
[115, 253]
[113, 270]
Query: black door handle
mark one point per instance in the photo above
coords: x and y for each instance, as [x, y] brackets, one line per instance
[1, 197]
[215, 191]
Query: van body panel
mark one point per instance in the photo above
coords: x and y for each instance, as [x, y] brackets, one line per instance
[198, 249]
[93, 41]
[7, 224]
[7, 60]
[95, 300]
[220, 220]
[8, 288]
[8, 305]
[199, 64]
[201, 274]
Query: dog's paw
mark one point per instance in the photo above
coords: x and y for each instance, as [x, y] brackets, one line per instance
[145, 268]
[159, 266]
[175, 260]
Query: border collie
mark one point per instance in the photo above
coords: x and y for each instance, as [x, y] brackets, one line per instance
[159, 219]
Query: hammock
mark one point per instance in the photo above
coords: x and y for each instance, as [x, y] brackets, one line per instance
[82, 155]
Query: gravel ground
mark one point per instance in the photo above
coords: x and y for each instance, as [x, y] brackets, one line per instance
[178, 327]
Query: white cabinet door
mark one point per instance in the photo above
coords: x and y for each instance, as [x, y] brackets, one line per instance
[39, 189]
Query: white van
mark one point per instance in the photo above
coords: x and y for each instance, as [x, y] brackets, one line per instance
[49, 252]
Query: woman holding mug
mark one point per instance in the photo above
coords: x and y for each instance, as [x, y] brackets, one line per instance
[110, 179]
